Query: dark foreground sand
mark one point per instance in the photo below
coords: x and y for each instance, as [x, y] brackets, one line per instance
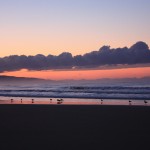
[74, 127]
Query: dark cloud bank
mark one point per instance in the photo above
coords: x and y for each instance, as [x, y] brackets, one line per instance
[139, 53]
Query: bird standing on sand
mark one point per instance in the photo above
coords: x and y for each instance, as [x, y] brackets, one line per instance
[50, 100]
[145, 102]
[59, 101]
[101, 101]
[32, 100]
[130, 102]
[11, 100]
[21, 100]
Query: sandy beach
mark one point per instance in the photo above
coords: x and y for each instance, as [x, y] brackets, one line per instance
[58, 126]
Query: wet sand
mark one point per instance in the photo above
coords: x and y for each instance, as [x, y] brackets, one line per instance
[72, 101]
[74, 126]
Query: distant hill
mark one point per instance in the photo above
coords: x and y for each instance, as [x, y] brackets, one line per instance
[20, 80]
[13, 78]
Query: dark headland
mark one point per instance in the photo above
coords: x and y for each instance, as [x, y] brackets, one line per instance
[74, 126]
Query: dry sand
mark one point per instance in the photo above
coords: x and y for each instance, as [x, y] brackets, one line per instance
[74, 127]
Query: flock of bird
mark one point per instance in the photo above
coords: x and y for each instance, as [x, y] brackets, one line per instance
[59, 101]
[145, 102]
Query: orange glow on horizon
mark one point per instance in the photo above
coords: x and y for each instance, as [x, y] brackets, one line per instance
[83, 74]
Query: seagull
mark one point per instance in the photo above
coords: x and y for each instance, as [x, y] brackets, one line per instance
[32, 100]
[145, 102]
[50, 100]
[59, 101]
[11, 100]
[130, 102]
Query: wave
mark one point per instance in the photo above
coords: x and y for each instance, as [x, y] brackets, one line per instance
[117, 92]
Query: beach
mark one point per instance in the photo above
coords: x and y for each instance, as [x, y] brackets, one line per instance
[60, 126]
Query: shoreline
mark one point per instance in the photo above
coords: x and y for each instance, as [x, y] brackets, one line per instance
[67, 97]
[72, 101]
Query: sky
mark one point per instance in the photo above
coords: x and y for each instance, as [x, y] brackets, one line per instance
[46, 27]
[33, 27]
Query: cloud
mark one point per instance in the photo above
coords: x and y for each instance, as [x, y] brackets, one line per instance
[139, 53]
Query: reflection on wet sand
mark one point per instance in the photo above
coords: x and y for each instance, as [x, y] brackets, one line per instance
[72, 101]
